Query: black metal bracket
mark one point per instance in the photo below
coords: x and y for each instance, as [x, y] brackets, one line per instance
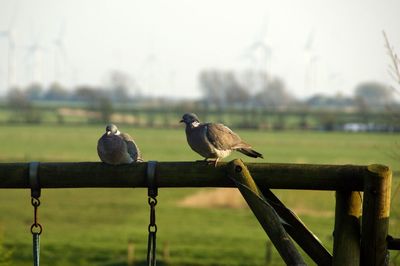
[34, 179]
[151, 179]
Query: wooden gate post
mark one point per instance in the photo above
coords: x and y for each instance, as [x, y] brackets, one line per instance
[375, 215]
[346, 241]
[265, 214]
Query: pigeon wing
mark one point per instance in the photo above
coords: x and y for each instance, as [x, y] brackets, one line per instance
[133, 149]
[111, 149]
[222, 137]
[101, 151]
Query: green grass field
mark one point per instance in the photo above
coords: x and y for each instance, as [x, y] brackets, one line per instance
[93, 226]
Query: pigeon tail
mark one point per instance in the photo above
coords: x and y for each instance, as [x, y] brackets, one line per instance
[250, 152]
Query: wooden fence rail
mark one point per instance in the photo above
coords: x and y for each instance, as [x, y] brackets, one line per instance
[185, 174]
[347, 180]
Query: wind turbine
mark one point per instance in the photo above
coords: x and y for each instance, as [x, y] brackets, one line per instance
[34, 58]
[147, 71]
[311, 60]
[60, 55]
[9, 34]
[11, 61]
[262, 54]
[259, 54]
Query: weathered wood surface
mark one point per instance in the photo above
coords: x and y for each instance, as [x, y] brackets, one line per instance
[347, 234]
[375, 215]
[184, 174]
[265, 214]
[373, 180]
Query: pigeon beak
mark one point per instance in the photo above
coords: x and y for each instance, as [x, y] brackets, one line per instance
[181, 121]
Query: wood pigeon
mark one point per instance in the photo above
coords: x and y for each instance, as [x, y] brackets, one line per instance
[116, 148]
[214, 141]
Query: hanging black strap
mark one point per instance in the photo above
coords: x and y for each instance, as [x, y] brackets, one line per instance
[36, 228]
[34, 180]
[152, 199]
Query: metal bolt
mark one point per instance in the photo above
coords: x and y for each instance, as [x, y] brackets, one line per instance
[238, 169]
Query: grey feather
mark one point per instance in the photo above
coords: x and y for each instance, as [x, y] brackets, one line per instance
[197, 140]
[114, 148]
[250, 152]
[222, 137]
[212, 140]
[132, 148]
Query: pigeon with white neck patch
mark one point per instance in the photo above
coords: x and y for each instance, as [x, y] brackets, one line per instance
[214, 141]
[116, 148]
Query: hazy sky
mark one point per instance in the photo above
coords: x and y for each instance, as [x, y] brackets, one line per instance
[315, 45]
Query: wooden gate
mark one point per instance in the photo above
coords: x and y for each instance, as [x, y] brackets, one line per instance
[361, 191]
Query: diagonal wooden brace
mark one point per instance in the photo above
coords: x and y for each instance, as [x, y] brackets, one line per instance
[265, 214]
[298, 231]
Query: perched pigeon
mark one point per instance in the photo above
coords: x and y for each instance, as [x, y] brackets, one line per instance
[116, 148]
[214, 141]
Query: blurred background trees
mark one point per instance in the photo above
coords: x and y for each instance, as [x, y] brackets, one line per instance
[374, 94]
[247, 89]
[244, 99]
